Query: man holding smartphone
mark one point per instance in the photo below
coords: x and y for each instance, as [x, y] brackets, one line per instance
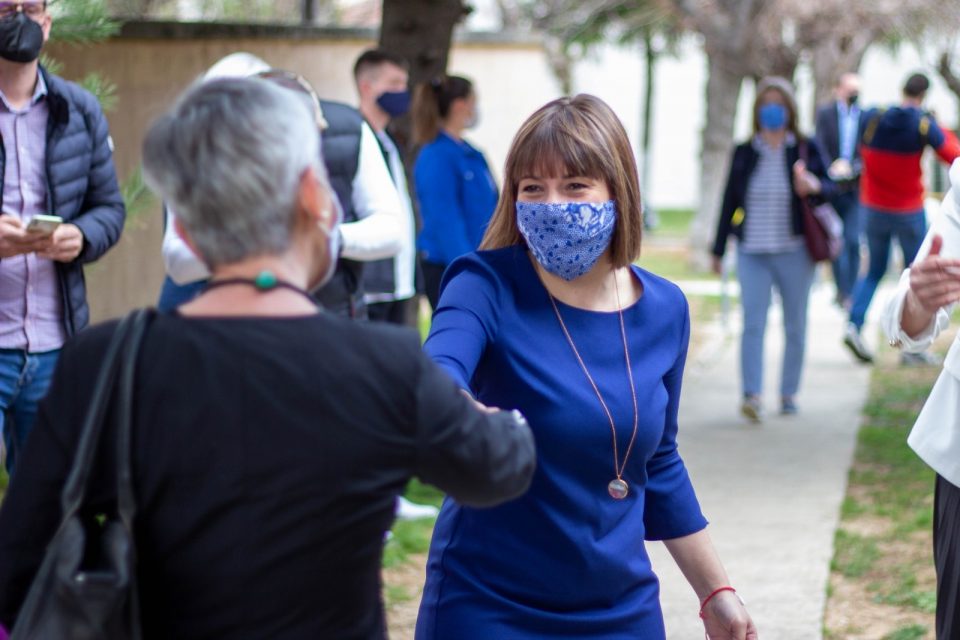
[56, 162]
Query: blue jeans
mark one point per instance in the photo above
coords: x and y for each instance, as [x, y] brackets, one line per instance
[24, 380]
[846, 268]
[882, 227]
[792, 273]
[172, 295]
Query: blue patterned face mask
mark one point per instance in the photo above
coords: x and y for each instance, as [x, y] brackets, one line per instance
[567, 238]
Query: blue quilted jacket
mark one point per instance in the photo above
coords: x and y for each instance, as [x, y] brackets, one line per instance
[81, 186]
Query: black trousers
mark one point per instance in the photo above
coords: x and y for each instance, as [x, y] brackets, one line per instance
[432, 274]
[396, 311]
[946, 556]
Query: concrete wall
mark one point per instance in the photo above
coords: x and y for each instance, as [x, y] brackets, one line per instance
[152, 63]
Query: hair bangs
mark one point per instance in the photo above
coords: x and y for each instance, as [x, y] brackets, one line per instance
[556, 149]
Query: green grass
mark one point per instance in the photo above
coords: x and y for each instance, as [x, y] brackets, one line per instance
[897, 482]
[672, 263]
[887, 556]
[854, 556]
[911, 632]
[673, 222]
[395, 594]
[412, 536]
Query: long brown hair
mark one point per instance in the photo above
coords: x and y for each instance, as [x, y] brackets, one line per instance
[431, 105]
[579, 136]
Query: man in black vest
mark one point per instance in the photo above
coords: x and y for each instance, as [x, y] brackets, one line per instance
[371, 205]
[381, 79]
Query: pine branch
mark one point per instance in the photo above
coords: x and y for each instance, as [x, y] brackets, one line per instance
[81, 21]
[137, 197]
[52, 65]
[102, 89]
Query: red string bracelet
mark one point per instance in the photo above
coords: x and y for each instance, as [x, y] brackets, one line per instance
[703, 605]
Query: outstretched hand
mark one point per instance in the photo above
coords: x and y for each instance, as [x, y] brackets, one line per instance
[725, 618]
[935, 280]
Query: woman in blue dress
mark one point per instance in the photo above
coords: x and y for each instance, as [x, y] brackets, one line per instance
[551, 318]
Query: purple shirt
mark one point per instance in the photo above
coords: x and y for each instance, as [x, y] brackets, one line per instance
[31, 309]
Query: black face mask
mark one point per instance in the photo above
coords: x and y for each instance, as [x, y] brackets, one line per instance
[20, 39]
[852, 100]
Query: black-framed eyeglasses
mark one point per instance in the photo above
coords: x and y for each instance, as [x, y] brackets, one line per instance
[296, 82]
[30, 9]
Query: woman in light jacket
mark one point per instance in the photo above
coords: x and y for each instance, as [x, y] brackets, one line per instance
[912, 319]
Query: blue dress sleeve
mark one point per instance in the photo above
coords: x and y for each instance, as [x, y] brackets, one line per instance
[438, 192]
[671, 508]
[466, 319]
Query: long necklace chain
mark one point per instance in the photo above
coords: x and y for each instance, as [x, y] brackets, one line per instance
[618, 487]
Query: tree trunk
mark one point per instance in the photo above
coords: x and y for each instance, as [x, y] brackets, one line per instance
[560, 61]
[650, 58]
[421, 31]
[308, 11]
[945, 67]
[723, 92]
[830, 59]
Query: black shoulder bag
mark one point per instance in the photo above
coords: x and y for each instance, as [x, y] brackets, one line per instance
[75, 594]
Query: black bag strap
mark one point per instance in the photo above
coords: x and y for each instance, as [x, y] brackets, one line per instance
[126, 504]
[121, 351]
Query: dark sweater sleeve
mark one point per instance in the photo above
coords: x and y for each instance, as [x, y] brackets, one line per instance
[30, 513]
[729, 204]
[480, 459]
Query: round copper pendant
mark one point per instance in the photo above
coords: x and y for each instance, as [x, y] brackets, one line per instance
[618, 489]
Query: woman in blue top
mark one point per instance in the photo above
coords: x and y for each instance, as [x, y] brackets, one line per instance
[551, 318]
[454, 187]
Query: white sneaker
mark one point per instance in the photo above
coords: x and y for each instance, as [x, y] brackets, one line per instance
[854, 341]
[922, 359]
[407, 510]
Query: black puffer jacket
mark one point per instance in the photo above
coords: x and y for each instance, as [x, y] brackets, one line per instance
[81, 186]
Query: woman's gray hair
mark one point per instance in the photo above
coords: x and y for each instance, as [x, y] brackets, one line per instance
[228, 159]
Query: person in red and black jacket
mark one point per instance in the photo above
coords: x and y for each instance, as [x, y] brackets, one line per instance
[892, 143]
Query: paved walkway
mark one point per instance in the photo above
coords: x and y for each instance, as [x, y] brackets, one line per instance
[772, 492]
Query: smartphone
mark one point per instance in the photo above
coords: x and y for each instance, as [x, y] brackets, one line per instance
[43, 224]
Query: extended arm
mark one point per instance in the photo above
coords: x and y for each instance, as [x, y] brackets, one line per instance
[920, 308]
[480, 458]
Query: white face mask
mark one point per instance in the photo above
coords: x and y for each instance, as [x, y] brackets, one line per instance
[473, 120]
[334, 242]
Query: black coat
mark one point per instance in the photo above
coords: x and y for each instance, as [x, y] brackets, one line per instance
[735, 195]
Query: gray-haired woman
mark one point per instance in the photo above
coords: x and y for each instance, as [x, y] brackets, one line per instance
[270, 439]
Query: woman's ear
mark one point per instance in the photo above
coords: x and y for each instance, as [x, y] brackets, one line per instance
[314, 200]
